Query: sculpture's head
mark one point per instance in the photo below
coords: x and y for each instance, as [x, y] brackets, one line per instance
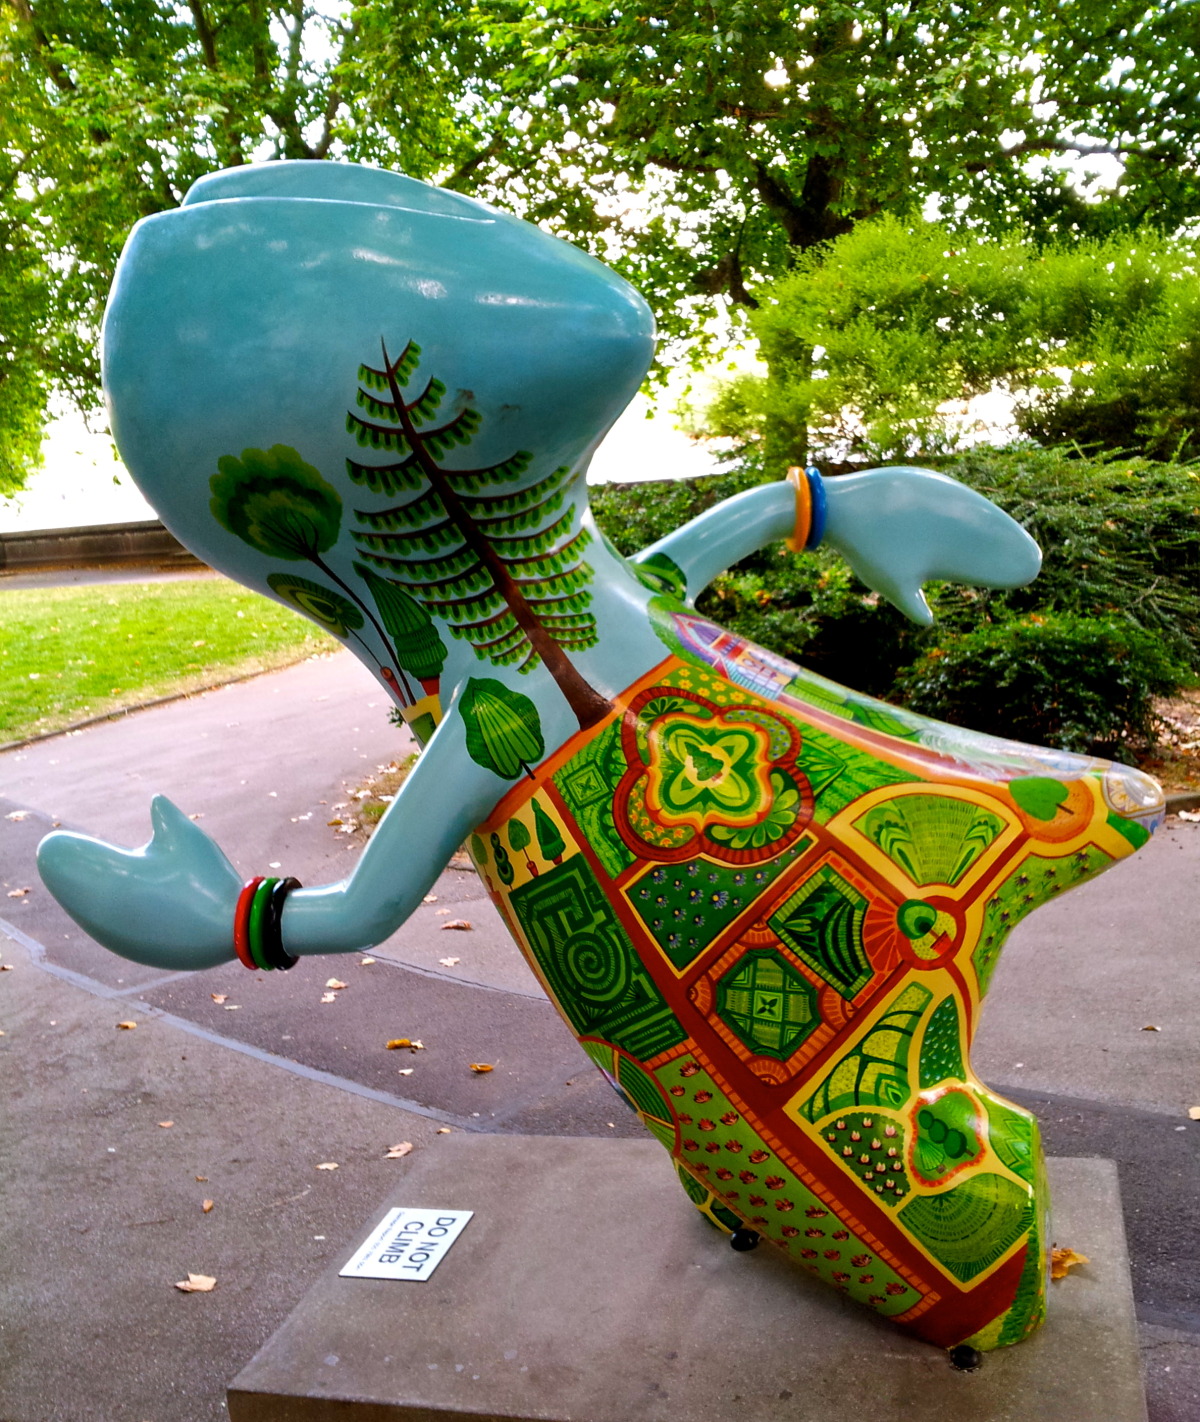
[375, 400]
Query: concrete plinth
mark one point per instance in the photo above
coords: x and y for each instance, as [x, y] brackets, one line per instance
[586, 1289]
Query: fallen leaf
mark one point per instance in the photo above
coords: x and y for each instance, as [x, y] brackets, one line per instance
[443, 1130]
[481, 1067]
[1150, 1028]
[166, 1125]
[430, 899]
[1062, 1261]
[126, 1026]
[365, 962]
[1194, 1113]
[233, 1007]
[202, 1179]
[398, 1152]
[449, 962]
[441, 913]
[328, 1165]
[1183, 815]
[329, 997]
[219, 997]
[197, 1284]
[462, 924]
[335, 984]
[17, 815]
[18, 893]
[207, 1206]
[413, 1046]
[6, 967]
[405, 1071]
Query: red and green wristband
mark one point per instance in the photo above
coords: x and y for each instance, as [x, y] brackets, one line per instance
[258, 924]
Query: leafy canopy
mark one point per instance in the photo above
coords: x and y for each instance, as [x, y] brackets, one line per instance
[698, 148]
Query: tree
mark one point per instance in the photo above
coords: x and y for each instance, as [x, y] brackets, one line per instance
[708, 145]
[698, 148]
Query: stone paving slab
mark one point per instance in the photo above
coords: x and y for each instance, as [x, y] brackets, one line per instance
[586, 1290]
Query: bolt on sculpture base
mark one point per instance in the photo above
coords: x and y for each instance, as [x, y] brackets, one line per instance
[768, 907]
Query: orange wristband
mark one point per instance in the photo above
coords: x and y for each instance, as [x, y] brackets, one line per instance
[798, 479]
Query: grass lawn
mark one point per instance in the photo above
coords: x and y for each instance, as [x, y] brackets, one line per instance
[70, 653]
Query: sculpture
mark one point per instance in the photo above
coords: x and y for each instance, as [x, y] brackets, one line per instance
[768, 906]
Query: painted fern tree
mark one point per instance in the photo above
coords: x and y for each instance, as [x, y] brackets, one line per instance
[501, 565]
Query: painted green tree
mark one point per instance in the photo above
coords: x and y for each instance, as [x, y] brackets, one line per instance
[501, 564]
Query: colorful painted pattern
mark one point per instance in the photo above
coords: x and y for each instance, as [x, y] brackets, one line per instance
[770, 915]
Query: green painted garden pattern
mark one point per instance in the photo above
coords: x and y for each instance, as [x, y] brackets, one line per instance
[768, 907]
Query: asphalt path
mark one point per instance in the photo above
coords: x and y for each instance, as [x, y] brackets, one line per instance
[263, 765]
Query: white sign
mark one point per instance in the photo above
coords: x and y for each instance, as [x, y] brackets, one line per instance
[407, 1244]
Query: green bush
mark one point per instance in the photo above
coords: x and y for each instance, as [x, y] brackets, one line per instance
[1121, 545]
[1079, 683]
[867, 336]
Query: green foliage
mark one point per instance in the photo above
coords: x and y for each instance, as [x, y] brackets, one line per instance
[276, 502]
[864, 341]
[1121, 546]
[698, 148]
[70, 653]
[1081, 683]
[503, 729]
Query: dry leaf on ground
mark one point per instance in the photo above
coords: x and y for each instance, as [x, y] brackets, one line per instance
[328, 1165]
[405, 1071]
[430, 899]
[462, 924]
[233, 1007]
[1150, 1028]
[481, 1067]
[1062, 1261]
[17, 893]
[329, 997]
[219, 997]
[365, 962]
[1194, 1113]
[197, 1284]
[443, 1130]
[201, 1179]
[166, 1124]
[126, 1026]
[17, 815]
[398, 1152]
[413, 1046]
[1183, 815]
[6, 967]
[207, 1206]
[449, 962]
[335, 984]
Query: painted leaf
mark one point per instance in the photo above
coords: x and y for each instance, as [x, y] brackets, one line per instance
[329, 609]
[418, 647]
[275, 502]
[518, 835]
[504, 731]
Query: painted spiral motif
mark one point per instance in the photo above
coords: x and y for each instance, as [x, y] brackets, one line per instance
[331, 610]
[599, 973]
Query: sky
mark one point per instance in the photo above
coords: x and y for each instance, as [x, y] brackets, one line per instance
[82, 484]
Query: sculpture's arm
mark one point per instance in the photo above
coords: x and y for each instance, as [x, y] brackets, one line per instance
[171, 903]
[897, 528]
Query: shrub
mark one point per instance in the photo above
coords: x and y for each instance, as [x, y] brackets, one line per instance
[1079, 683]
[867, 336]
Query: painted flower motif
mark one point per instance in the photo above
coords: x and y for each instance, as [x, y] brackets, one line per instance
[703, 771]
[786, 805]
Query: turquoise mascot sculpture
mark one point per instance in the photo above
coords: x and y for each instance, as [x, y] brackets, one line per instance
[767, 906]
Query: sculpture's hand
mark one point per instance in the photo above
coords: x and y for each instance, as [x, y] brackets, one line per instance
[169, 904]
[900, 527]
